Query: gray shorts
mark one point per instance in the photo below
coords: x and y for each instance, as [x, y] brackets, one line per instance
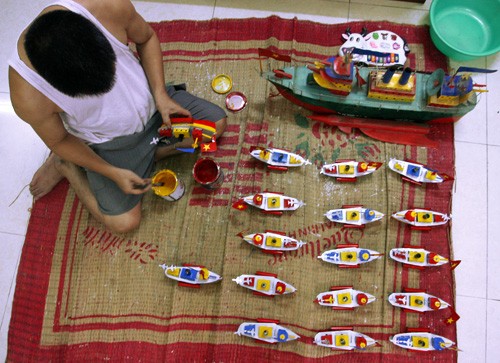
[136, 152]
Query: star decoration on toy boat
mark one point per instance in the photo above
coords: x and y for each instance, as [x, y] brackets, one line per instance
[421, 340]
[190, 275]
[416, 173]
[184, 127]
[414, 300]
[272, 242]
[344, 298]
[269, 202]
[266, 330]
[422, 219]
[265, 284]
[349, 170]
[416, 257]
[355, 216]
[343, 338]
[349, 256]
[278, 159]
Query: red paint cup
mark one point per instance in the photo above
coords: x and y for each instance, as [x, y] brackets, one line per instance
[208, 173]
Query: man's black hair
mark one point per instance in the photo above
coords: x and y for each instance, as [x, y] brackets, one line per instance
[71, 53]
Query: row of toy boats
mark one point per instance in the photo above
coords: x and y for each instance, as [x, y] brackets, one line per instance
[343, 338]
[348, 170]
[347, 255]
[350, 215]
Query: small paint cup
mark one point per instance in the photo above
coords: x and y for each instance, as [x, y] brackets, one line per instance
[208, 173]
[171, 187]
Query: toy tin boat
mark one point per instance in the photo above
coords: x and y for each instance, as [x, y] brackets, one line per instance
[354, 215]
[344, 298]
[343, 338]
[190, 275]
[415, 172]
[349, 256]
[266, 330]
[416, 257]
[337, 85]
[272, 242]
[349, 170]
[269, 202]
[422, 219]
[278, 159]
[265, 284]
[417, 300]
[185, 127]
[421, 341]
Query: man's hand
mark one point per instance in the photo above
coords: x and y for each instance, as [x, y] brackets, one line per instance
[130, 183]
[168, 107]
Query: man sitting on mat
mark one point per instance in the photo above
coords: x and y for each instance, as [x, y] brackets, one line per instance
[96, 106]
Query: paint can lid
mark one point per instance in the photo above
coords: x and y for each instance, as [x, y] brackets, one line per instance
[236, 101]
[222, 84]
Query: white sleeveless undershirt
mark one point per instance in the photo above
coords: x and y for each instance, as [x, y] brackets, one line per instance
[95, 119]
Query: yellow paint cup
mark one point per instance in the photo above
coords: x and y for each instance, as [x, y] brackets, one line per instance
[171, 188]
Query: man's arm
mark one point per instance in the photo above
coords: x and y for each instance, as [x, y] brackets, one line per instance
[148, 47]
[43, 116]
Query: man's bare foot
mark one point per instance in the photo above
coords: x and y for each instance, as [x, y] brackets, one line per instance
[45, 178]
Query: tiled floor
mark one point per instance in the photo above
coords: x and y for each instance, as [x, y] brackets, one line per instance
[476, 201]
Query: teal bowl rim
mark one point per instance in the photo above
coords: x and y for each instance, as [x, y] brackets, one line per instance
[453, 48]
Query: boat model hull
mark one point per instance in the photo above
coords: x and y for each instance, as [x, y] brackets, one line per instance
[320, 100]
[344, 298]
[343, 340]
[266, 332]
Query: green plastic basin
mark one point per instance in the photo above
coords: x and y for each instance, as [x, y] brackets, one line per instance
[465, 29]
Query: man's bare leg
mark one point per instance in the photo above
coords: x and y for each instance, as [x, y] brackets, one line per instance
[78, 180]
[45, 178]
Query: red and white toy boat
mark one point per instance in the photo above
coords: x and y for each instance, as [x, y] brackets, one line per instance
[190, 275]
[349, 256]
[417, 257]
[343, 338]
[272, 241]
[344, 298]
[421, 340]
[354, 215]
[349, 170]
[265, 284]
[269, 202]
[267, 331]
[419, 301]
[278, 159]
[422, 219]
[416, 173]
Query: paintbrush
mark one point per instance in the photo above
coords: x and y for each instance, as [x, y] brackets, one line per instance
[143, 186]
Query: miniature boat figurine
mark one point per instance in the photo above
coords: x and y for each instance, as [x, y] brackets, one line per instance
[343, 338]
[184, 127]
[272, 242]
[349, 256]
[422, 219]
[422, 341]
[419, 301]
[278, 159]
[419, 258]
[354, 216]
[416, 173]
[269, 202]
[267, 331]
[344, 298]
[349, 170]
[265, 284]
[190, 275]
